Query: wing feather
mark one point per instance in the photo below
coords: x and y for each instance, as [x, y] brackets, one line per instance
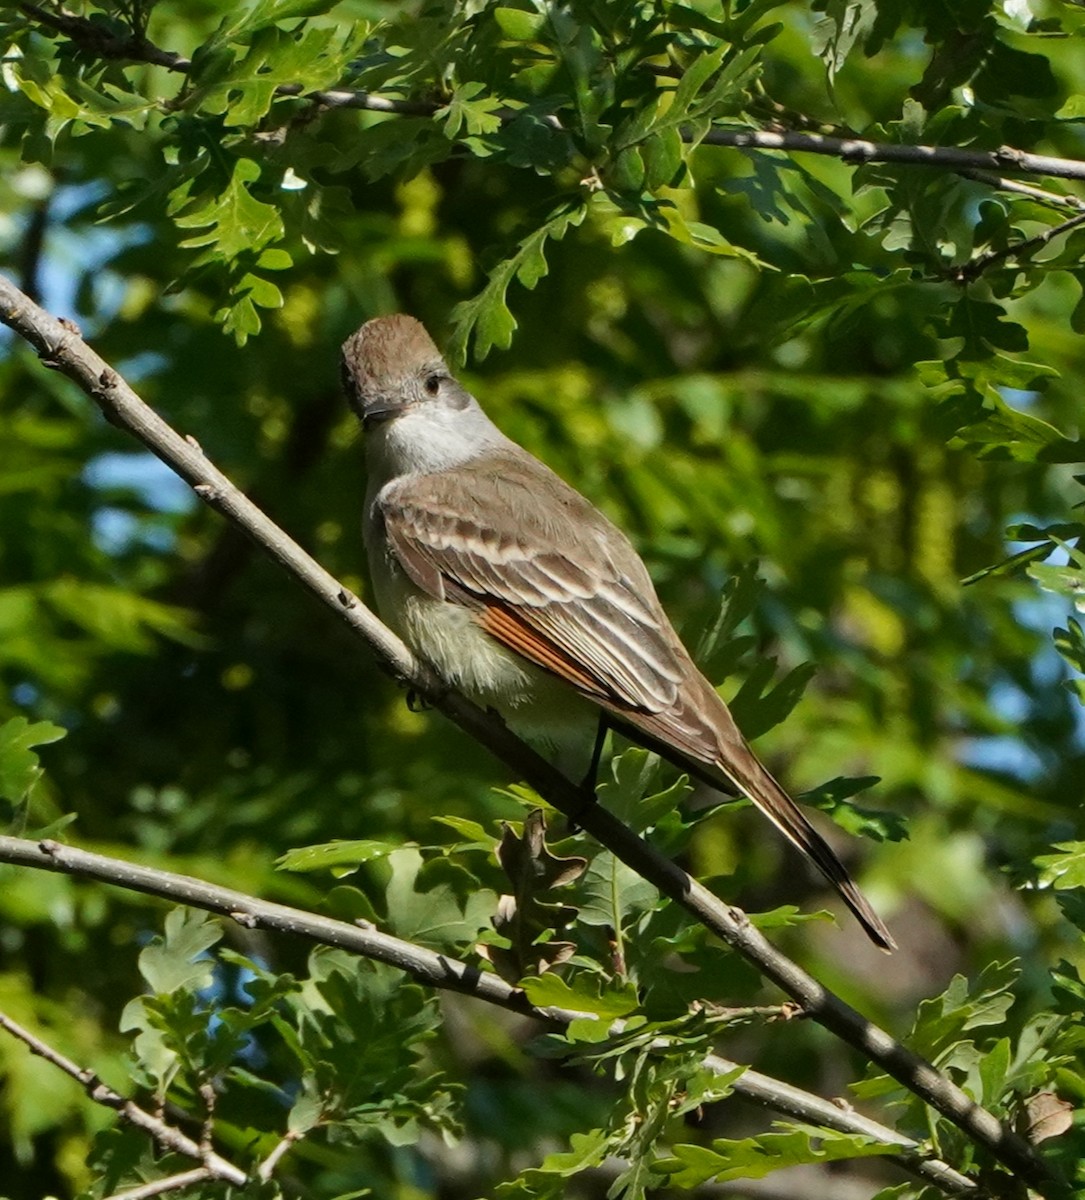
[564, 588]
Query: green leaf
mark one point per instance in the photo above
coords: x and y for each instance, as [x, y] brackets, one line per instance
[518, 25]
[305, 1113]
[633, 795]
[178, 960]
[20, 767]
[612, 893]
[242, 23]
[487, 316]
[583, 993]
[476, 836]
[754, 1158]
[1070, 643]
[972, 409]
[786, 916]
[588, 1150]
[834, 797]
[235, 222]
[938, 1033]
[1063, 870]
[432, 917]
[757, 710]
[341, 858]
[628, 173]
[471, 110]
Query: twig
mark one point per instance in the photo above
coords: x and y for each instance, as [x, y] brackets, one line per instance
[344, 98]
[98, 40]
[207, 1094]
[267, 1167]
[171, 1183]
[849, 149]
[60, 346]
[973, 269]
[1040, 195]
[860, 150]
[165, 1135]
[439, 970]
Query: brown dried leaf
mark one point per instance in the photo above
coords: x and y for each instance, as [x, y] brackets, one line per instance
[1046, 1116]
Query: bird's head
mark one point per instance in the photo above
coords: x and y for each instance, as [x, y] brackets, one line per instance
[391, 367]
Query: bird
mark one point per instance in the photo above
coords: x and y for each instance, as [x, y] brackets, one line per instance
[520, 593]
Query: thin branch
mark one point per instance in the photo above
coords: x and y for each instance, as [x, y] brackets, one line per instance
[1040, 195]
[849, 149]
[344, 98]
[267, 1167]
[60, 346]
[426, 966]
[97, 39]
[859, 150]
[171, 1183]
[440, 971]
[973, 269]
[165, 1135]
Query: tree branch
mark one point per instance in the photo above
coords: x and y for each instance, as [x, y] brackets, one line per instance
[973, 269]
[1040, 195]
[859, 150]
[440, 971]
[171, 1183]
[136, 48]
[267, 1167]
[59, 345]
[165, 1135]
[98, 39]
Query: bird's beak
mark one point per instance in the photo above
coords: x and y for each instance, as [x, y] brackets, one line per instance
[378, 414]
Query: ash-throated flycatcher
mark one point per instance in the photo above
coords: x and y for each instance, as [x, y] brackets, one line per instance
[520, 593]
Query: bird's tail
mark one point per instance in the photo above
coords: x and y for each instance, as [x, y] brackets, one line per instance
[746, 772]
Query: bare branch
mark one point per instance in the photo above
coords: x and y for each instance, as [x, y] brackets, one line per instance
[165, 1135]
[60, 346]
[267, 1167]
[439, 970]
[426, 966]
[171, 1183]
[344, 98]
[968, 271]
[1040, 195]
[96, 39]
[859, 150]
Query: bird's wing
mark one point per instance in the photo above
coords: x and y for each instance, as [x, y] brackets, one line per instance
[560, 586]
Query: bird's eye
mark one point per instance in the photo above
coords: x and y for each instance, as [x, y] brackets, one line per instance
[432, 385]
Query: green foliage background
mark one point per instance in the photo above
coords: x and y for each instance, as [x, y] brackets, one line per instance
[740, 355]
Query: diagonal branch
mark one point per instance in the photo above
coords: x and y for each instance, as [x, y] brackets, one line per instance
[171, 1183]
[1040, 195]
[59, 345]
[973, 269]
[168, 1137]
[440, 971]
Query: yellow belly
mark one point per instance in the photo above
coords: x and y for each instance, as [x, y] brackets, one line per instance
[536, 704]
